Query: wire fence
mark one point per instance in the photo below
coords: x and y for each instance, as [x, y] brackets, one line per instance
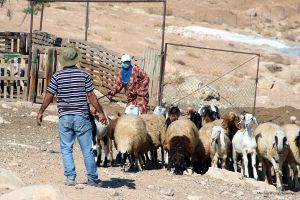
[195, 76]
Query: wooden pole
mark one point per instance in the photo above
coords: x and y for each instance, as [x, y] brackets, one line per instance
[42, 17]
[33, 76]
[30, 49]
[87, 20]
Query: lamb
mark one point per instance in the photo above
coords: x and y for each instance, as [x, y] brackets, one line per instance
[243, 143]
[131, 137]
[293, 135]
[103, 134]
[203, 152]
[220, 146]
[155, 125]
[272, 146]
[181, 141]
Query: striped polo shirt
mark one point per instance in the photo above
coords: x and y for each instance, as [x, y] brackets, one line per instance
[71, 86]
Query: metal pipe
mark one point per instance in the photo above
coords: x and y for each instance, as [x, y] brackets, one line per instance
[30, 47]
[256, 82]
[87, 20]
[212, 49]
[162, 70]
[42, 17]
[107, 1]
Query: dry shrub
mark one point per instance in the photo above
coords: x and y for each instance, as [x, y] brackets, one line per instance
[273, 68]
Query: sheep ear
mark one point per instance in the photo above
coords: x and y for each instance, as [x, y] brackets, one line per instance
[285, 142]
[275, 141]
[297, 140]
[255, 121]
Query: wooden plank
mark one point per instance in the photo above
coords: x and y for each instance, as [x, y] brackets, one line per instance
[33, 75]
[5, 81]
[49, 66]
[11, 82]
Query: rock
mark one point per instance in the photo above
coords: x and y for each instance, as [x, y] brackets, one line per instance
[274, 67]
[15, 109]
[33, 114]
[296, 88]
[51, 118]
[6, 106]
[261, 185]
[79, 186]
[9, 180]
[225, 175]
[33, 192]
[3, 121]
[189, 197]
[167, 192]
[49, 142]
[265, 84]
[114, 193]
[151, 187]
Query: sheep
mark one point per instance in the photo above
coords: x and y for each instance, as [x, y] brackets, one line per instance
[172, 115]
[243, 143]
[203, 152]
[272, 146]
[103, 134]
[160, 110]
[220, 146]
[155, 125]
[181, 141]
[293, 135]
[209, 113]
[132, 110]
[195, 117]
[131, 137]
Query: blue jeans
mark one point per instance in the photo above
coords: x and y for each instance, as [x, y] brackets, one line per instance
[70, 127]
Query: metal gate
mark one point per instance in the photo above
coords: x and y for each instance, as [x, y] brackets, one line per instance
[194, 76]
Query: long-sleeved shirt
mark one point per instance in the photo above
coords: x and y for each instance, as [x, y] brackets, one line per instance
[136, 90]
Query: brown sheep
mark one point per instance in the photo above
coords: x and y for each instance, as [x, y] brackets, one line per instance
[181, 141]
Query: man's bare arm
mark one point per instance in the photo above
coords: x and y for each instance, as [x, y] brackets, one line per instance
[47, 100]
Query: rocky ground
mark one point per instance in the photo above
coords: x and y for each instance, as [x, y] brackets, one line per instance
[32, 153]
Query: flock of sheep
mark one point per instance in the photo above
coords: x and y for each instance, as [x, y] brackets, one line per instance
[200, 140]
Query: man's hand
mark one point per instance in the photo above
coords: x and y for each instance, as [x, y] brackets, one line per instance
[102, 118]
[109, 97]
[39, 118]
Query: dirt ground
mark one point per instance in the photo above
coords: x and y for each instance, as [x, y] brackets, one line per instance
[36, 161]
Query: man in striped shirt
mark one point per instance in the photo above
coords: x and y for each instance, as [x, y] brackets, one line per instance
[72, 87]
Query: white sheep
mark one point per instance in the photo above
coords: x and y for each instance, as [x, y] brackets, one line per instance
[131, 137]
[132, 110]
[293, 135]
[243, 143]
[160, 110]
[220, 146]
[272, 146]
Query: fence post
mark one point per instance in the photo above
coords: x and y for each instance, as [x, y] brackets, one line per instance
[33, 75]
[50, 66]
[22, 44]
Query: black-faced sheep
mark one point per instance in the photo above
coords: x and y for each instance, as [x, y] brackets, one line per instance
[272, 146]
[181, 141]
[209, 113]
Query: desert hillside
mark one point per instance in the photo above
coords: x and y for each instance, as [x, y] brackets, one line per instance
[270, 28]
